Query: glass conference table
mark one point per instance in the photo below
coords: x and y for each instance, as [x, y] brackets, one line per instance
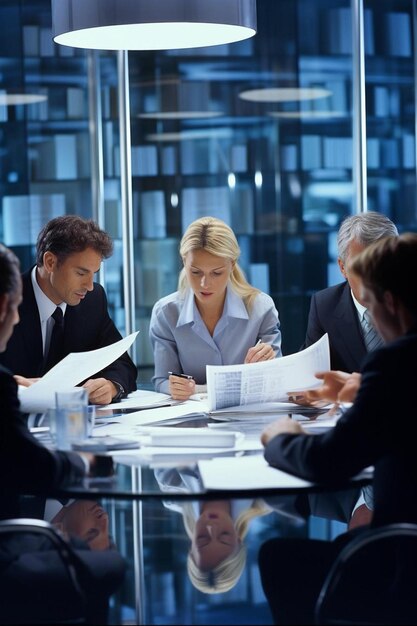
[149, 509]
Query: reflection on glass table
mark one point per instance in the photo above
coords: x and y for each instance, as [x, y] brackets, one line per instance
[83, 519]
[217, 528]
[165, 524]
[182, 579]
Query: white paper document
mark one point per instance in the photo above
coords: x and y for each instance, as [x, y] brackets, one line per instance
[253, 472]
[247, 472]
[268, 381]
[140, 399]
[125, 425]
[70, 372]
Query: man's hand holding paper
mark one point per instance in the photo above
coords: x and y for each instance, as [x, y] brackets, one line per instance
[337, 387]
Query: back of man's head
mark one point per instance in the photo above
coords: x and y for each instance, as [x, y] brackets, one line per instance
[69, 234]
[364, 228]
[10, 280]
[390, 264]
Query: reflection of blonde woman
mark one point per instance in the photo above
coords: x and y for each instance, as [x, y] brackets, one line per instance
[216, 317]
[218, 555]
[217, 528]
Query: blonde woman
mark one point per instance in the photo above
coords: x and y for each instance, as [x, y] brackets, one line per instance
[215, 318]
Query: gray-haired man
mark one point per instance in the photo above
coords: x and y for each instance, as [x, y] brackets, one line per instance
[338, 310]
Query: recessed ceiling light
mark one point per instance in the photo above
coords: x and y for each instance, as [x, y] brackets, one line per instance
[308, 115]
[12, 99]
[179, 115]
[284, 94]
[209, 133]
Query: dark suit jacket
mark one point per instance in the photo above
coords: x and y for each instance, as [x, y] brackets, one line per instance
[26, 466]
[333, 311]
[87, 326]
[380, 429]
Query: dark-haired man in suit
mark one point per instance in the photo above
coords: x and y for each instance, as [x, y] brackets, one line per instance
[27, 467]
[69, 252]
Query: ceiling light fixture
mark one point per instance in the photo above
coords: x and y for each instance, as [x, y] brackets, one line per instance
[151, 24]
[308, 115]
[186, 135]
[284, 94]
[180, 115]
[13, 99]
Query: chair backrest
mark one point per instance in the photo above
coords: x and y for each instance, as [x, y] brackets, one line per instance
[373, 580]
[38, 575]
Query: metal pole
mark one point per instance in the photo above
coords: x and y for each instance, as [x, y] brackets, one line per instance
[138, 562]
[126, 193]
[96, 143]
[359, 108]
[415, 80]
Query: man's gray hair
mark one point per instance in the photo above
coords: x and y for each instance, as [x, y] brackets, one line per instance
[364, 228]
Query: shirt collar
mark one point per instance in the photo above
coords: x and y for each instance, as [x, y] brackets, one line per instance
[186, 315]
[359, 307]
[233, 307]
[45, 306]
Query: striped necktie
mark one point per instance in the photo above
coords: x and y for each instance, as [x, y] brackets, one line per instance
[370, 335]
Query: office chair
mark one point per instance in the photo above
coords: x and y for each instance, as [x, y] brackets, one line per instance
[39, 581]
[373, 580]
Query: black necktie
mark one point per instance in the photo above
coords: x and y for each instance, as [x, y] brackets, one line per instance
[57, 340]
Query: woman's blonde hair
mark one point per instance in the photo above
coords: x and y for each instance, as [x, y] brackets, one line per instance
[217, 238]
[225, 575]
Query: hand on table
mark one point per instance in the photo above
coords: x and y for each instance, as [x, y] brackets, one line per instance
[100, 390]
[260, 352]
[181, 388]
[279, 427]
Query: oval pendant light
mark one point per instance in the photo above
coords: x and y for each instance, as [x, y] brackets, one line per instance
[151, 24]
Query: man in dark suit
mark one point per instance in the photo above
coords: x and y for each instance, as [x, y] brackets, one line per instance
[70, 250]
[27, 467]
[338, 310]
[379, 430]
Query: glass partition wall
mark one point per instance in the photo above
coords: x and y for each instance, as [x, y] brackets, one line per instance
[265, 133]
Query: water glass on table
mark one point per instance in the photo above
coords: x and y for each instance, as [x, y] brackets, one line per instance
[73, 419]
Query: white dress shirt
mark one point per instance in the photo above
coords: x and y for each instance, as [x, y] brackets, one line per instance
[45, 307]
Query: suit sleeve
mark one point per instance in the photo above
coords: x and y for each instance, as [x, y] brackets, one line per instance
[123, 370]
[25, 464]
[164, 349]
[314, 328]
[359, 439]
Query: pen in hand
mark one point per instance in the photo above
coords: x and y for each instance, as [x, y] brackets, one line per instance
[187, 376]
[181, 390]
